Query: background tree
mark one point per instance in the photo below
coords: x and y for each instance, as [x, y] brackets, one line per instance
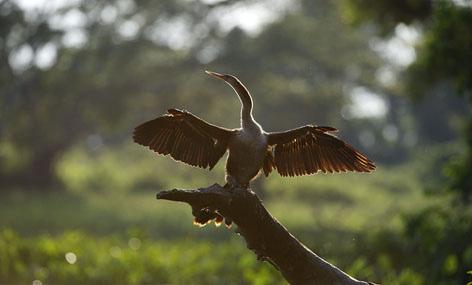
[441, 67]
[124, 69]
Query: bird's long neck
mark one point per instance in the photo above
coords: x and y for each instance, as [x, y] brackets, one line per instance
[246, 104]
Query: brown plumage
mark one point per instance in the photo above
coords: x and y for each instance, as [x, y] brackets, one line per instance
[179, 135]
[301, 151]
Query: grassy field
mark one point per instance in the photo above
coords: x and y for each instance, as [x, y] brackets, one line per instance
[128, 236]
[77, 258]
[352, 202]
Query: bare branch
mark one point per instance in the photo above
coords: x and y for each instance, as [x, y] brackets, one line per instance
[264, 235]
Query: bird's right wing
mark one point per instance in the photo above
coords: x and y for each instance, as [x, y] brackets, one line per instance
[309, 149]
[184, 137]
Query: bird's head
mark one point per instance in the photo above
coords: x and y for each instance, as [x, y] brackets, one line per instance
[240, 89]
[230, 79]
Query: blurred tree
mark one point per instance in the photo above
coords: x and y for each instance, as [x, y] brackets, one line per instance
[436, 116]
[443, 58]
[387, 14]
[304, 68]
[441, 69]
[124, 61]
[438, 235]
[99, 74]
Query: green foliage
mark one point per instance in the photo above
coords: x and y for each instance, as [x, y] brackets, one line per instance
[440, 238]
[448, 41]
[333, 215]
[76, 258]
[383, 267]
[346, 201]
[103, 88]
[387, 14]
[300, 68]
[101, 171]
[433, 248]
[459, 172]
[442, 61]
[437, 238]
[470, 273]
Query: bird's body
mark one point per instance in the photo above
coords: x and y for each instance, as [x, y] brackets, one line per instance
[247, 150]
[304, 150]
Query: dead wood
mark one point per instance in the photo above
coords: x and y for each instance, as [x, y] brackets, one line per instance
[264, 235]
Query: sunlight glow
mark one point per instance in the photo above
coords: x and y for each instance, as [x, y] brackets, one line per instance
[108, 14]
[128, 29]
[399, 50]
[21, 58]
[46, 56]
[73, 19]
[45, 4]
[386, 75]
[71, 258]
[174, 32]
[251, 17]
[463, 3]
[364, 104]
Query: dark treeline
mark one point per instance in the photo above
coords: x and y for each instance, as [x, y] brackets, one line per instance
[128, 63]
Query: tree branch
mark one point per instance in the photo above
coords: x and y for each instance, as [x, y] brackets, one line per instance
[264, 235]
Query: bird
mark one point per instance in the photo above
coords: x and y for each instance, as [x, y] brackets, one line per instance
[301, 151]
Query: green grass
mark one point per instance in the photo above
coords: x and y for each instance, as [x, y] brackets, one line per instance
[351, 202]
[53, 213]
[77, 258]
[107, 205]
[348, 202]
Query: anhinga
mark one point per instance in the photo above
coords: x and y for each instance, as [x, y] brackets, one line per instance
[300, 151]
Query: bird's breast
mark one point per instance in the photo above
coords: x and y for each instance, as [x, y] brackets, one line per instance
[252, 140]
[246, 155]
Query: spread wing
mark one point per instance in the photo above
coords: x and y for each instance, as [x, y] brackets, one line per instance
[184, 137]
[309, 149]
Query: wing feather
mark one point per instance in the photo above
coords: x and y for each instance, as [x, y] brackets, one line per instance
[185, 138]
[268, 164]
[310, 149]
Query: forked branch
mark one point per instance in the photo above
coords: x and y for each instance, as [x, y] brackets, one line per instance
[264, 235]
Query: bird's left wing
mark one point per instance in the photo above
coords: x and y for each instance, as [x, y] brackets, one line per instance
[309, 149]
[184, 137]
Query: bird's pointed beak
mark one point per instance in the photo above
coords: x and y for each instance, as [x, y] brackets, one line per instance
[215, 74]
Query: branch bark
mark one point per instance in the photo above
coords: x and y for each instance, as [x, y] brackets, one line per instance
[264, 235]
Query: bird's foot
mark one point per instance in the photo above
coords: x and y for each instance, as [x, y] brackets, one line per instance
[233, 185]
